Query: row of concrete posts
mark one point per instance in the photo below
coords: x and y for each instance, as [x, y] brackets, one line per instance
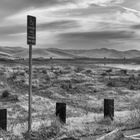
[61, 112]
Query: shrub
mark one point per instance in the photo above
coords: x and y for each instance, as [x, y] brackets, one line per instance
[44, 71]
[27, 71]
[78, 69]
[131, 87]
[46, 132]
[14, 76]
[123, 71]
[104, 74]
[109, 70]
[52, 68]
[105, 121]
[66, 86]
[47, 78]
[132, 77]
[95, 90]
[22, 73]
[77, 80]
[88, 71]
[111, 84]
[5, 94]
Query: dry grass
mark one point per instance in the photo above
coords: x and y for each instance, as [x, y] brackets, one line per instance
[84, 93]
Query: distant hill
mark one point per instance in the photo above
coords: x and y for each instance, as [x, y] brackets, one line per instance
[43, 52]
[104, 52]
[20, 52]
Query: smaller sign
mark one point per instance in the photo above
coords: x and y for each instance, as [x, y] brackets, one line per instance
[31, 30]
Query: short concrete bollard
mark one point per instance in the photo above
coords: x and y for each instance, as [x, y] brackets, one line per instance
[109, 108]
[3, 119]
[61, 112]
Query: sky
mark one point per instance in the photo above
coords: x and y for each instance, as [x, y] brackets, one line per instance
[72, 24]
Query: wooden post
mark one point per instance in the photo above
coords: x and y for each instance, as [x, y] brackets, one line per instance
[3, 119]
[61, 112]
[109, 108]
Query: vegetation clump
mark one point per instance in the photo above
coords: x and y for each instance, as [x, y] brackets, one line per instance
[110, 84]
[88, 71]
[109, 70]
[44, 71]
[132, 87]
[78, 69]
[5, 94]
[66, 86]
[104, 74]
[123, 71]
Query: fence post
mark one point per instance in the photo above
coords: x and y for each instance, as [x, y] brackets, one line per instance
[61, 112]
[3, 119]
[109, 108]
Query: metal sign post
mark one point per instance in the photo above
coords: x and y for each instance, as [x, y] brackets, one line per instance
[31, 40]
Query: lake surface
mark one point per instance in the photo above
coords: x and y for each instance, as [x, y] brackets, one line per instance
[122, 66]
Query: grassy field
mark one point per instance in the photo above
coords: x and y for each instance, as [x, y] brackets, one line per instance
[81, 84]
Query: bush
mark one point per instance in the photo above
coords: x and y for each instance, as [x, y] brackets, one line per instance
[88, 71]
[66, 86]
[109, 70]
[95, 90]
[5, 94]
[13, 76]
[78, 69]
[104, 74]
[132, 77]
[131, 87]
[123, 71]
[47, 78]
[46, 132]
[44, 71]
[111, 84]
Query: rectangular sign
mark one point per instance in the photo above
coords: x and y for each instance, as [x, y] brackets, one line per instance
[31, 30]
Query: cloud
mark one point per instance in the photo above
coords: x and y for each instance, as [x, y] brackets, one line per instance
[87, 3]
[137, 26]
[132, 4]
[12, 30]
[59, 25]
[55, 26]
[19, 5]
[97, 39]
[14, 7]
[101, 35]
[128, 16]
[71, 22]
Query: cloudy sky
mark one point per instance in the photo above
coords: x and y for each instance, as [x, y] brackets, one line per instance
[76, 24]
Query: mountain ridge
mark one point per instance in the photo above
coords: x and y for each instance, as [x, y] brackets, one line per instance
[21, 52]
